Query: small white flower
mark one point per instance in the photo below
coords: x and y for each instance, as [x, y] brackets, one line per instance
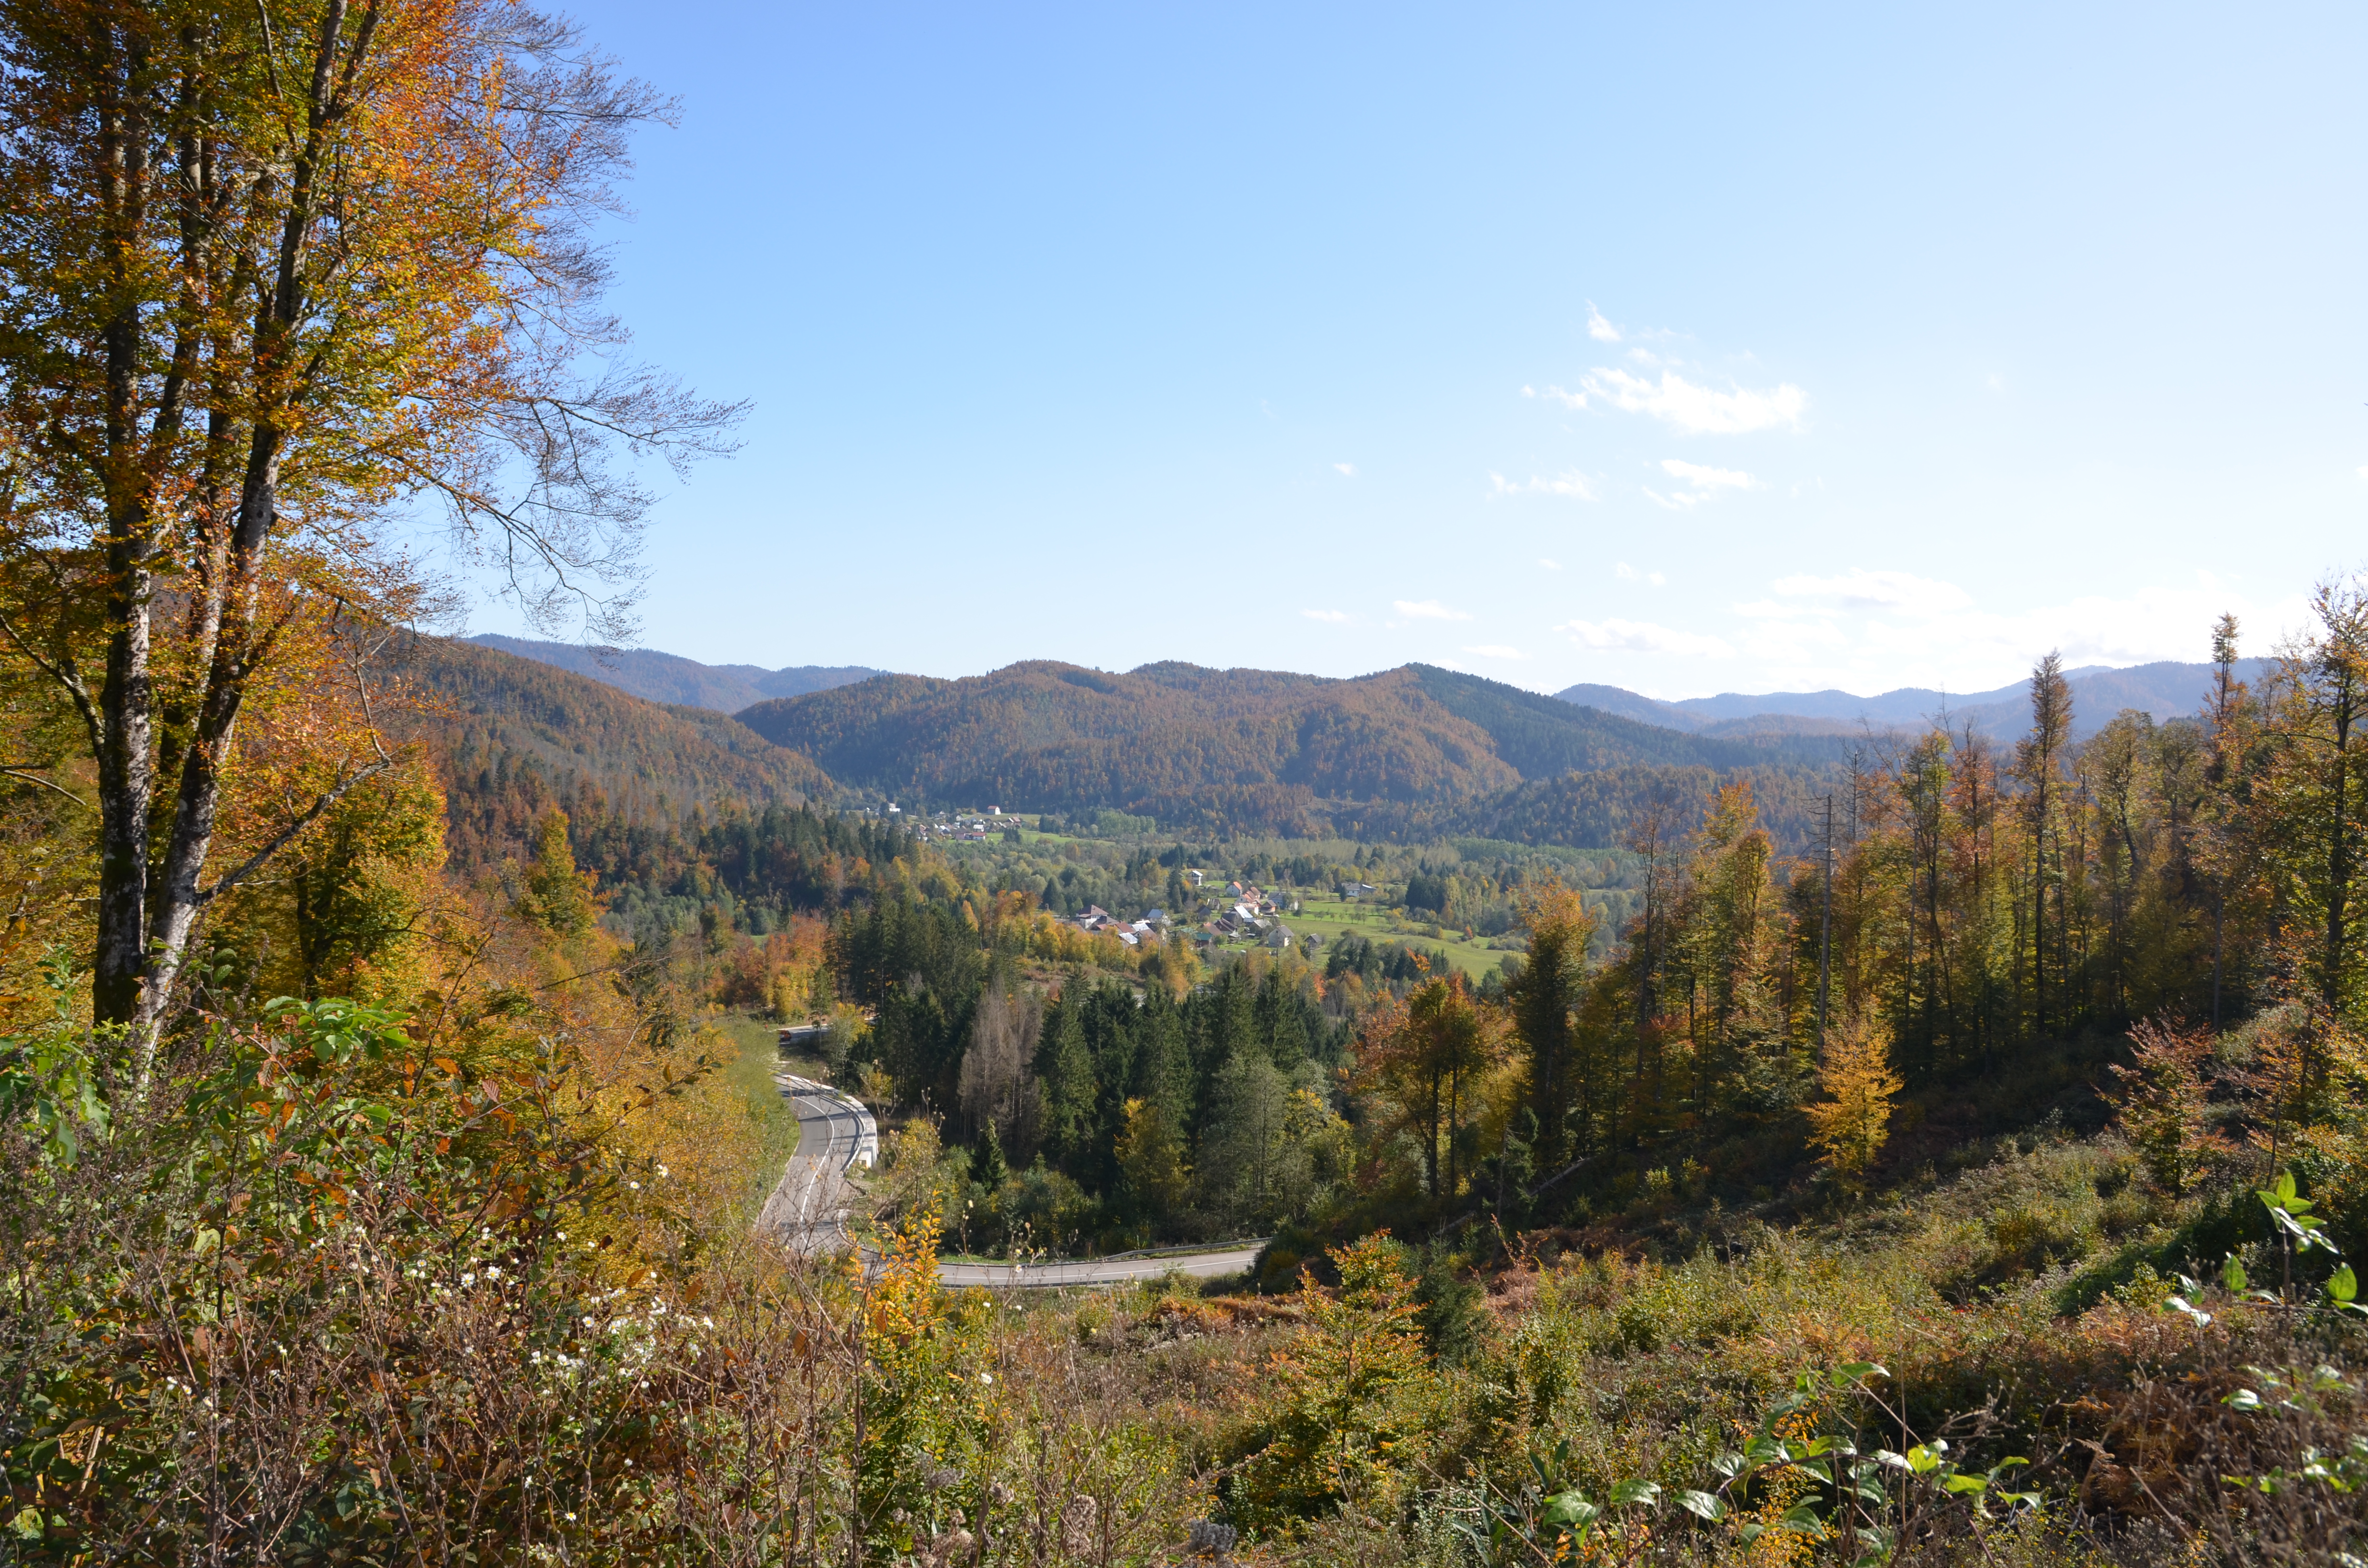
[663, 1171]
[986, 1377]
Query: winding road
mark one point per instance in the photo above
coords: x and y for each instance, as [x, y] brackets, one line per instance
[835, 1134]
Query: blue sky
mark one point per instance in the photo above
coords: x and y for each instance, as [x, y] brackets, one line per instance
[1684, 349]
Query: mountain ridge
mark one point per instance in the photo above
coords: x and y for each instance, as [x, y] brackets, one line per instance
[1242, 747]
[672, 679]
[2166, 688]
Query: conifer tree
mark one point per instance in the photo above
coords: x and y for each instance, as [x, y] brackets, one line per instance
[1544, 999]
[557, 895]
[2039, 757]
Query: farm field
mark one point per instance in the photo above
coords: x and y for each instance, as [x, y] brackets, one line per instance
[1332, 919]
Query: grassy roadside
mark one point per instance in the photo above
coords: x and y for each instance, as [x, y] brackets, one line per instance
[749, 1065]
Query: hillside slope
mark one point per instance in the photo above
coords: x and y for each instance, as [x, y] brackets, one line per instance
[510, 734]
[1248, 747]
[671, 678]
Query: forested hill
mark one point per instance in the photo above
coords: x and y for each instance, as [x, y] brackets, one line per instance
[1242, 749]
[511, 736]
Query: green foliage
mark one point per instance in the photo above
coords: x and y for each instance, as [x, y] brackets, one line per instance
[1347, 1419]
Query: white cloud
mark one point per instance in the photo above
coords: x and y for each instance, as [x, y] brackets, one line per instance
[1570, 484]
[1549, 565]
[1497, 651]
[1598, 328]
[1628, 574]
[1643, 637]
[1702, 477]
[1881, 592]
[1346, 470]
[2363, 472]
[1569, 398]
[1428, 610]
[1699, 409]
[1336, 617]
[1681, 501]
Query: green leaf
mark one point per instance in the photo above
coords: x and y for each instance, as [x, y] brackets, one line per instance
[1961, 1483]
[1701, 1505]
[2232, 1274]
[1629, 1492]
[27, 1525]
[1569, 1509]
[2343, 1285]
[1801, 1519]
[1853, 1371]
[2243, 1399]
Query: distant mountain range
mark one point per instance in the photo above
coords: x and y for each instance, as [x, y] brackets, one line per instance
[2166, 690]
[1415, 751]
[668, 677]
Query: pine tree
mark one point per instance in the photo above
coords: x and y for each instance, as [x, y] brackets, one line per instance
[988, 1168]
[1543, 998]
[557, 896]
[1066, 1066]
[2039, 756]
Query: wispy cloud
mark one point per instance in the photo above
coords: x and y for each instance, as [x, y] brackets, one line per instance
[1598, 328]
[1628, 574]
[1643, 637]
[1705, 481]
[1497, 651]
[1428, 610]
[1898, 593]
[1346, 470]
[1556, 394]
[1338, 617]
[1549, 565]
[1700, 410]
[1703, 477]
[1870, 631]
[1570, 485]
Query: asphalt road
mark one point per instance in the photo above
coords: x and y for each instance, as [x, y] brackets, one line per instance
[835, 1134]
[1103, 1271]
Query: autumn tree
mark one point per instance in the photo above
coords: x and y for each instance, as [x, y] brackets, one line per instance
[2315, 806]
[1427, 1055]
[1852, 1122]
[275, 272]
[2159, 1101]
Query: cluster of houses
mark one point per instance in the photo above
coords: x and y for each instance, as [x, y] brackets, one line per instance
[1153, 927]
[1248, 914]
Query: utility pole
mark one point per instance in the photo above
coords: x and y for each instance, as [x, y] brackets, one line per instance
[1826, 931]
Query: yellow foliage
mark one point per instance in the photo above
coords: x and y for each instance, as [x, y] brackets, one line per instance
[1853, 1121]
